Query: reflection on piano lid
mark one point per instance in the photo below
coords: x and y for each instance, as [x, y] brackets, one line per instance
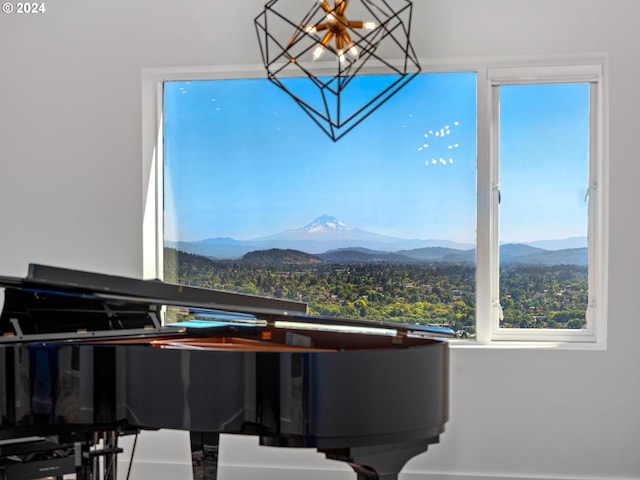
[205, 319]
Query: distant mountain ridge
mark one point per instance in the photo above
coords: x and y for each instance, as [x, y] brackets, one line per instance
[509, 254]
[328, 239]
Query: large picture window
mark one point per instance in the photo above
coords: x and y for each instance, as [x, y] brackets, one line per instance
[473, 200]
[378, 226]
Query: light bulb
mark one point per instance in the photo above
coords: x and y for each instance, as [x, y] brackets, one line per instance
[317, 53]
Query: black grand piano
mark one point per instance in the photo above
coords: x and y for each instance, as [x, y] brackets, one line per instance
[86, 358]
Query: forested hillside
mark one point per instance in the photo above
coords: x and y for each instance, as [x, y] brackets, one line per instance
[428, 293]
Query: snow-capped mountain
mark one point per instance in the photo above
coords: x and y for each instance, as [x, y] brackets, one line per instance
[325, 224]
[323, 234]
[325, 227]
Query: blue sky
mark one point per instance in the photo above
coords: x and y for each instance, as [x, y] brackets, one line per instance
[543, 161]
[243, 160]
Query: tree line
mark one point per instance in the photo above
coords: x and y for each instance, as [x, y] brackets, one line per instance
[438, 294]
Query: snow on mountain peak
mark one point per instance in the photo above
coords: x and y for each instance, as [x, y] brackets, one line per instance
[326, 223]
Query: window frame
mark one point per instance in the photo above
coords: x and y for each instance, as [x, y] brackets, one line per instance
[490, 73]
[591, 74]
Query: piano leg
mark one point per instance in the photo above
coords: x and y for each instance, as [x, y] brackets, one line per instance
[204, 455]
[378, 462]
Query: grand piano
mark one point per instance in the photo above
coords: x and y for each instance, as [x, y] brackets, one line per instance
[86, 358]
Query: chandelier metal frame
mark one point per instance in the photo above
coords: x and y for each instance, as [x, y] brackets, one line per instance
[291, 51]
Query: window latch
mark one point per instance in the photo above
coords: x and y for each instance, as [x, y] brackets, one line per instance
[587, 194]
[496, 188]
[498, 306]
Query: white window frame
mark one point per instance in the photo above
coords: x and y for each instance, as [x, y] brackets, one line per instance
[491, 73]
[595, 193]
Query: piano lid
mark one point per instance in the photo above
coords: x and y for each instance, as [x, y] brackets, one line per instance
[56, 304]
[159, 290]
[53, 304]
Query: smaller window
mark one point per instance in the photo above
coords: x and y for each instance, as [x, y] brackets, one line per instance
[547, 195]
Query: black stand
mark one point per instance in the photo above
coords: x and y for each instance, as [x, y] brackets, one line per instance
[103, 448]
[31, 459]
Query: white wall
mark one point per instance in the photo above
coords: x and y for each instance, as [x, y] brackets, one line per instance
[71, 192]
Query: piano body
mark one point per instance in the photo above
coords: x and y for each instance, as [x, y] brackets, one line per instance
[86, 358]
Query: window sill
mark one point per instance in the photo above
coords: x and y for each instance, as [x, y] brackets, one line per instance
[526, 345]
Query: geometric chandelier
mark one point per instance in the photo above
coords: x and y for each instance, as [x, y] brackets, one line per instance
[317, 50]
